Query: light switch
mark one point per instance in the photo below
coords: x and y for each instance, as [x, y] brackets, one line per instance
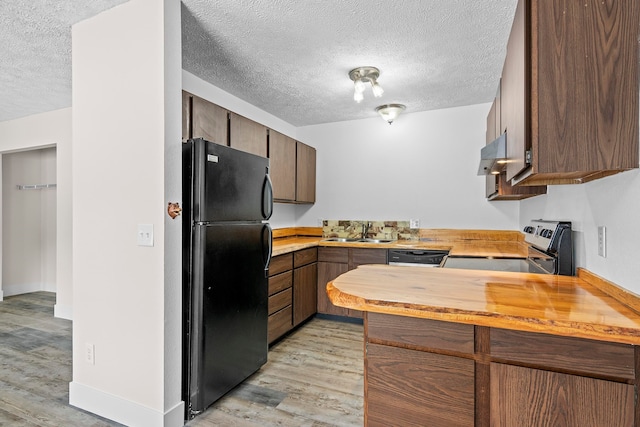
[145, 234]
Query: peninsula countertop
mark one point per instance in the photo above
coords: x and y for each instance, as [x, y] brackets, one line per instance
[558, 305]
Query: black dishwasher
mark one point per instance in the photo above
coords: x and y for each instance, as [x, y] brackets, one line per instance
[417, 257]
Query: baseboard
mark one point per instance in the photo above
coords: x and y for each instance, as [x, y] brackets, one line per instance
[1, 295]
[23, 288]
[121, 410]
[63, 311]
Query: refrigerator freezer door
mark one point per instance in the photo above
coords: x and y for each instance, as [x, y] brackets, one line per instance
[229, 185]
[228, 334]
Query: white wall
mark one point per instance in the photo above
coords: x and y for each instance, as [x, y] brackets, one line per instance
[28, 222]
[423, 166]
[46, 130]
[613, 202]
[126, 167]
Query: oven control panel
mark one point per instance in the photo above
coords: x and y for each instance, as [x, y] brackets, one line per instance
[545, 234]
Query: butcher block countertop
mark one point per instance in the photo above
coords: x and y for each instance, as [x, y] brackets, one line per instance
[584, 306]
[482, 248]
[558, 305]
[292, 244]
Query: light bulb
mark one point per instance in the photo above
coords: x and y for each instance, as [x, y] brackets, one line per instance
[358, 85]
[358, 96]
[377, 89]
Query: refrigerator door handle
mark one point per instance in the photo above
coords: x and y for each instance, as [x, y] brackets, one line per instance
[267, 197]
[267, 247]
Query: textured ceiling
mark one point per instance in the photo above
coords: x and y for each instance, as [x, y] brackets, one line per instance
[289, 58]
[35, 53]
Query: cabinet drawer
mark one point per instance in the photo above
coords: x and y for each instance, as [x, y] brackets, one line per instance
[366, 256]
[280, 282]
[420, 333]
[563, 353]
[333, 254]
[279, 323]
[280, 263]
[279, 301]
[304, 257]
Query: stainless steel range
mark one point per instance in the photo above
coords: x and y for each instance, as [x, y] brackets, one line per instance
[550, 251]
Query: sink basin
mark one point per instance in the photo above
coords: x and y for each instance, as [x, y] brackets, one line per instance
[352, 240]
[375, 240]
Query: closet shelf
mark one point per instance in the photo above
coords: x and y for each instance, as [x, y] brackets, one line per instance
[36, 186]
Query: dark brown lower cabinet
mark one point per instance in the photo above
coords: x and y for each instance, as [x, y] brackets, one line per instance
[528, 397]
[305, 292]
[327, 271]
[292, 291]
[422, 372]
[416, 388]
[280, 296]
[334, 261]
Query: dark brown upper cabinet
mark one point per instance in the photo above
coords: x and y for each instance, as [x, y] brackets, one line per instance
[282, 160]
[292, 163]
[208, 121]
[305, 173]
[570, 91]
[497, 186]
[247, 135]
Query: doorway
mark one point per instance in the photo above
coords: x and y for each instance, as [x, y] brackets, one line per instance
[28, 221]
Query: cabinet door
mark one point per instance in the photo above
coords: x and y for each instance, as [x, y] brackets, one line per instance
[305, 173]
[590, 121]
[515, 94]
[366, 256]
[530, 397]
[491, 184]
[209, 121]
[247, 135]
[415, 388]
[305, 292]
[282, 160]
[361, 257]
[327, 271]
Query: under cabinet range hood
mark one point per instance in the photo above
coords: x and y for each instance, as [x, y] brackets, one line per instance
[493, 156]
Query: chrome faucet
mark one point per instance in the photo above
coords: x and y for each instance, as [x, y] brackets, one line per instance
[365, 229]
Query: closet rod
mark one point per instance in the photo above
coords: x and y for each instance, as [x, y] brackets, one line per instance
[36, 186]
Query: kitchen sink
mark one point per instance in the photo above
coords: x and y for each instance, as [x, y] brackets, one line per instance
[351, 240]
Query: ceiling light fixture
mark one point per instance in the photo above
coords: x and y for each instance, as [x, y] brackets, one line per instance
[390, 112]
[362, 75]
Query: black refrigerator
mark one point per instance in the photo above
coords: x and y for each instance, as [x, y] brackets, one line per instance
[227, 199]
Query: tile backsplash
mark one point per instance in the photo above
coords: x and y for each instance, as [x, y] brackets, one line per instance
[395, 230]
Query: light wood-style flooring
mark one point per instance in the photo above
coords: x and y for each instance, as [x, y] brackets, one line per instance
[313, 377]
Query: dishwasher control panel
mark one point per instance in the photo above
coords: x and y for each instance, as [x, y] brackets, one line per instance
[417, 257]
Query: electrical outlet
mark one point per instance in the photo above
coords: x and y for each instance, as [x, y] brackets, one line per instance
[90, 353]
[320, 222]
[414, 223]
[602, 241]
